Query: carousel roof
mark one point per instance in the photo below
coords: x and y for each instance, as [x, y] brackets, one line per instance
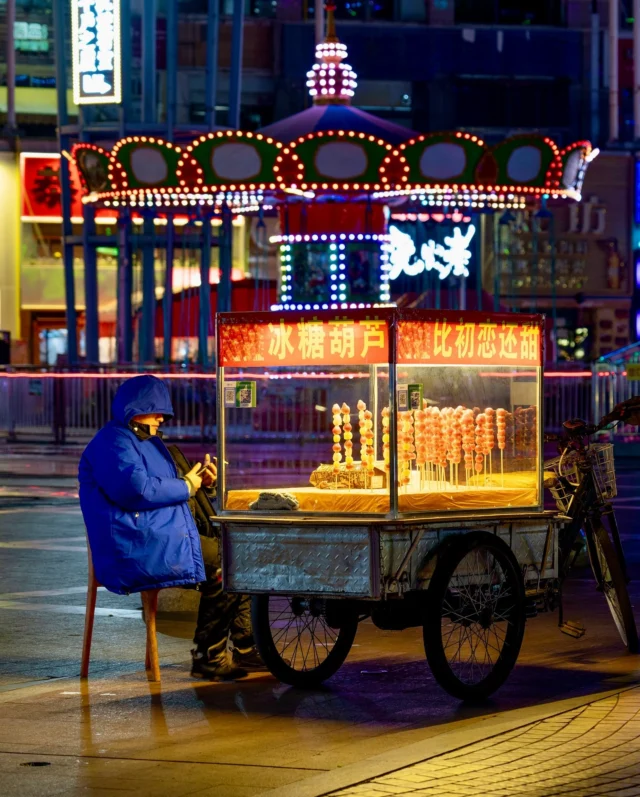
[336, 117]
[328, 150]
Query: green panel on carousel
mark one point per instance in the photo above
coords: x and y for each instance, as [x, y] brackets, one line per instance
[332, 158]
[239, 159]
[146, 164]
[443, 158]
[525, 160]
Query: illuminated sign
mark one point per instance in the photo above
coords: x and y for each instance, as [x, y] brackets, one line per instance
[470, 339]
[449, 259]
[31, 37]
[96, 52]
[316, 340]
[41, 195]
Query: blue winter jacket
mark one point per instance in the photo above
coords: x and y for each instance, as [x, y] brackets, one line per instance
[141, 530]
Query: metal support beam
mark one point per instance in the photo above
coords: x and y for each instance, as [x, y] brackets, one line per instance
[595, 72]
[319, 20]
[59, 8]
[614, 115]
[205, 295]
[92, 322]
[125, 284]
[235, 81]
[211, 72]
[10, 55]
[636, 69]
[172, 66]
[226, 259]
[167, 301]
[149, 103]
[148, 322]
[125, 63]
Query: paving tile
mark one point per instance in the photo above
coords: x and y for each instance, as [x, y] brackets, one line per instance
[588, 753]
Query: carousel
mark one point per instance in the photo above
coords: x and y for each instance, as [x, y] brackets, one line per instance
[369, 213]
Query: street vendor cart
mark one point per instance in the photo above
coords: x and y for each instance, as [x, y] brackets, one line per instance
[415, 497]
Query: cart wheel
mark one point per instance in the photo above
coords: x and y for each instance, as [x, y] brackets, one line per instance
[475, 616]
[295, 641]
[614, 586]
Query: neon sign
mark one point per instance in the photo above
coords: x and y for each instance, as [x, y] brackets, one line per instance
[96, 52]
[450, 259]
[361, 338]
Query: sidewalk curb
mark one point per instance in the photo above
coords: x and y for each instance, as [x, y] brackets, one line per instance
[445, 742]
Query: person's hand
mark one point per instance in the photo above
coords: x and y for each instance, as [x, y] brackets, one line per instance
[210, 476]
[193, 480]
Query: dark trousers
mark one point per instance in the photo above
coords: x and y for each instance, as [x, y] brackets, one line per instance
[222, 615]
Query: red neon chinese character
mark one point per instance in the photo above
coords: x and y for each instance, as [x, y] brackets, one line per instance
[279, 345]
[441, 334]
[486, 341]
[311, 345]
[373, 335]
[465, 340]
[342, 338]
[508, 341]
[530, 344]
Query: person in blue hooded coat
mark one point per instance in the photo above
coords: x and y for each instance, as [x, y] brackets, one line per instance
[135, 506]
[142, 503]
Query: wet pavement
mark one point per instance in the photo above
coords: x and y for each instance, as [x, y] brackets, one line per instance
[381, 713]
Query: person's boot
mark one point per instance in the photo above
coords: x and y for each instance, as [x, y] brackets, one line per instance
[219, 668]
[248, 659]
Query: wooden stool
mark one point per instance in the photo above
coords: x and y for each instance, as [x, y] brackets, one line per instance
[150, 604]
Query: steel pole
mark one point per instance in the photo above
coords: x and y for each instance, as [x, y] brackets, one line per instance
[172, 65]
[319, 21]
[125, 64]
[554, 290]
[636, 69]
[595, 72]
[148, 322]
[167, 301]
[59, 8]
[614, 116]
[205, 294]
[211, 72]
[148, 61]
[11, 68]
[235, 81]
[92, 322]
[226, 259]
[125, 284]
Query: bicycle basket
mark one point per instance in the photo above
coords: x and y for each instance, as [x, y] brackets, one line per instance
[562, 491]
[601, 455]
[604, 469]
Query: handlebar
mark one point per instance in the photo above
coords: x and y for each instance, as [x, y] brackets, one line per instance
[625, 412]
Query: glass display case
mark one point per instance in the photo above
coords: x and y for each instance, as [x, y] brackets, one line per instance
[379, 412]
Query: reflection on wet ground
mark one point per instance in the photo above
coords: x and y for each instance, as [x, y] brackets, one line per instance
[250, 735]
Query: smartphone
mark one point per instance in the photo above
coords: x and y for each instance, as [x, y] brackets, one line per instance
[214, 461]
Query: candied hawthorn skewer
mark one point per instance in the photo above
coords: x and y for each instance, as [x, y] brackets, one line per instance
[386, 446]
[337, 430]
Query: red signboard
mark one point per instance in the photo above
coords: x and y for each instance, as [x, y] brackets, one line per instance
[462, 338]
[40, 176]
[278, 339]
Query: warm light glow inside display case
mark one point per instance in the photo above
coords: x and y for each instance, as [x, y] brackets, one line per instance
[307, 425]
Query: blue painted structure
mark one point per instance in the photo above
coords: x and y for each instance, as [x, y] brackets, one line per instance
[116, 122]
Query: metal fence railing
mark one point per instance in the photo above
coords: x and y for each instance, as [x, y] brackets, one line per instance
[67, 407]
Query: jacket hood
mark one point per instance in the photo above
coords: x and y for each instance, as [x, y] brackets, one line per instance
[141, 395]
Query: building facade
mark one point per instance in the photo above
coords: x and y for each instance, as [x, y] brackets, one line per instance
[496, 69]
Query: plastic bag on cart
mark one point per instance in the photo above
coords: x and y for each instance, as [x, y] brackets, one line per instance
[275, 501]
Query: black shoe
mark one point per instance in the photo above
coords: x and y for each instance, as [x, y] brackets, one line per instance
[248, 660]
[222, 668]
